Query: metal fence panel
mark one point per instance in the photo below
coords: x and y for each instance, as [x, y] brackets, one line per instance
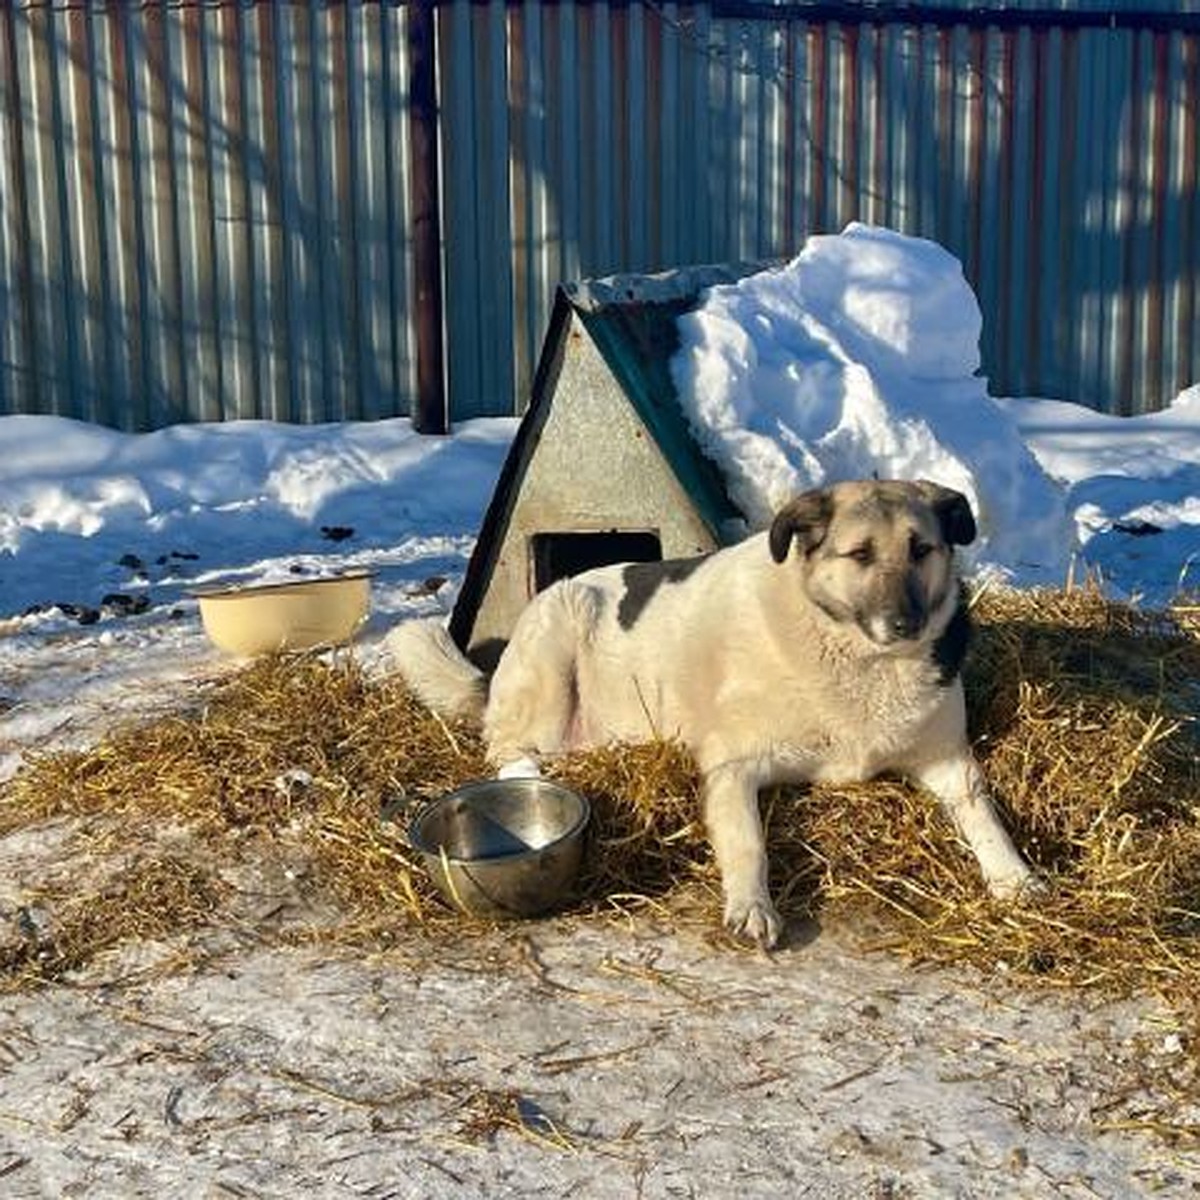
[205, 204]
[203, 211]
[1057, 160]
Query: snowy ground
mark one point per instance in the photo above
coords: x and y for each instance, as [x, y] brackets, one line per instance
[570, 1058]
[564, 1057]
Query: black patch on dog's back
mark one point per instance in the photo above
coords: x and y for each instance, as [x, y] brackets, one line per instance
[642, 580]
[486, 655]
[950, 649]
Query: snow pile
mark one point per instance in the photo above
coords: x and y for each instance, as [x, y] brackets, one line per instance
[1133, 484]
[860, 358]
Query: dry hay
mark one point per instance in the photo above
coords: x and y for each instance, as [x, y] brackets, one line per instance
[291, 759]
[1084, 713]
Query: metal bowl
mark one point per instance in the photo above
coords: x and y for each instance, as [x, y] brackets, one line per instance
[503, 847]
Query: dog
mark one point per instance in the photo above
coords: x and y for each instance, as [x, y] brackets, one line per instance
[826, 648]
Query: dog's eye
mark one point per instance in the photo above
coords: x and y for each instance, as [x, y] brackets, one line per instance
[864, 555]
[920, 550]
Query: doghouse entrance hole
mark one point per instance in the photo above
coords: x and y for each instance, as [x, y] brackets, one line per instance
[558, 555]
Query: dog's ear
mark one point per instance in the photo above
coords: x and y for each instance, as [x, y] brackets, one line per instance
[805, 518]
[953, 511]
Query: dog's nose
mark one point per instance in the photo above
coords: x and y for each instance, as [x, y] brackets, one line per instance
[904, 625]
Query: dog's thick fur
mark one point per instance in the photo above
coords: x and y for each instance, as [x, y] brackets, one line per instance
[827, 648]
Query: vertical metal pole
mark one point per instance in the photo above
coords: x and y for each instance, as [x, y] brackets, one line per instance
[429, 413]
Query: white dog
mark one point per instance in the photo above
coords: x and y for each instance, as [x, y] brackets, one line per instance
[827, 648]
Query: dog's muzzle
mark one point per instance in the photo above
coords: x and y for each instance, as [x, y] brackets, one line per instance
[891, 628]
[902, 620]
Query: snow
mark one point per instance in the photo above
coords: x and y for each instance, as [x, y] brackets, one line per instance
[89, 515]
[861, 357]
[1133, 486]
[244, 497]
[640, 1063]
[858, 357]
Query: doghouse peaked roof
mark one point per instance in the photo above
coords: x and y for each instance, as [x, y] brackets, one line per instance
[632, 322]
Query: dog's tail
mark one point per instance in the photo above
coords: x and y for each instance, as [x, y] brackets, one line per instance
[436, 670]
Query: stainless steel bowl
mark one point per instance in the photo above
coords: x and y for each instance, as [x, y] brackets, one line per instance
[503, 847]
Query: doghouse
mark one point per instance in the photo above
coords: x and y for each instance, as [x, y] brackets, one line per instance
[603, 468]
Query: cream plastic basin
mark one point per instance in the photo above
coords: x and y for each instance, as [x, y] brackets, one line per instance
[250, 619]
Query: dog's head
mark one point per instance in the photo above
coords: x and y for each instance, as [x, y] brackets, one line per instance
[877, 554]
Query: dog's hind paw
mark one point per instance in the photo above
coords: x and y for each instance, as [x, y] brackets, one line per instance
[520, 768]
[755, 920]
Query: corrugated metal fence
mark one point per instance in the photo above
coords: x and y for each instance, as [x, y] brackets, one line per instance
[203, 212]
[205, 208]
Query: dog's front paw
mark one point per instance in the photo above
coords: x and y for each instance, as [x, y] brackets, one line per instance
[1017, 888]
[754, 919]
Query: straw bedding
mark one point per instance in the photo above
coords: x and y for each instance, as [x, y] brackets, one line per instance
[1084, 714]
